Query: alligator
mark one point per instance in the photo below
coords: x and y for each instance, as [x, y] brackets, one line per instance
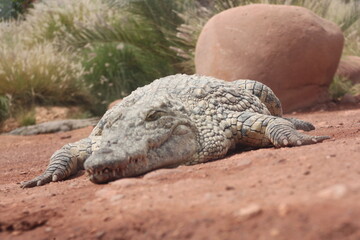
[177, 120]
[54, 126]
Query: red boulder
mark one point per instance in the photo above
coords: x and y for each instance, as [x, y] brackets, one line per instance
[288, 48]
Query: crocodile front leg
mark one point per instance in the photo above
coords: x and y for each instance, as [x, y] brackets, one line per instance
[258, 130]
[65, 162]
[282, 133]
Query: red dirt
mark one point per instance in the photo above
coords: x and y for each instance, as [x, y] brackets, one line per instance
[307, 192]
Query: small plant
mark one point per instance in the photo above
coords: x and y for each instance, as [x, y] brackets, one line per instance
[26, 117]
[4, 108]
[339, 87]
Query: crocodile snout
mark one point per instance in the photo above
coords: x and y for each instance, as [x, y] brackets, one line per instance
[103, 166]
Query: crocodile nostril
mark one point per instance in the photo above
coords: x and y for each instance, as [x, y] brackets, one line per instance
[105, 150]
[109, 143]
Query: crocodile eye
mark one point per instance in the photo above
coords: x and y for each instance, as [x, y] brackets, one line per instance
[154, 115]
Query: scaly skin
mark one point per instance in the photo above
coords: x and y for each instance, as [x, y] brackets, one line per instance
[177, 120]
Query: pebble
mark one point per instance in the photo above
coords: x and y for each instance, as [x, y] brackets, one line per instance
[65, 137]
[229, 188]
[73, 184]
[243, 163]
[162, 173]
[99, 235]
[274, 232]
[283, 209]
[127, 182]
[106, 193]
[250, 211]
[333, 192]
[330, 156]
[283, 160]
[117, 197]
[16, 233]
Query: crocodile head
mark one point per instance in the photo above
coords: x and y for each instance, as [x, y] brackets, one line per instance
[143, 137]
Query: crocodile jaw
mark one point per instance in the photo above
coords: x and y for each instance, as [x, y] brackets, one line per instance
[179, 146]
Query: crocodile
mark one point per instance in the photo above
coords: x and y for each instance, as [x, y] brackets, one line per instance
[178, 120]
[54, 126]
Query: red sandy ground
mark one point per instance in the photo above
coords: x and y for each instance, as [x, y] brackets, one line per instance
[307, 192]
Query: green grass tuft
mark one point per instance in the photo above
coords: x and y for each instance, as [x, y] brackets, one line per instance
[26, 117]
[339, 87]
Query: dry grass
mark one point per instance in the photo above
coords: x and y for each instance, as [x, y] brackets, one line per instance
[34, 67]
[40, 74]
[54, 20]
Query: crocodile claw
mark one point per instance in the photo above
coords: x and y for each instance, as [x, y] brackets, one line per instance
[43, 179]
[38, 181]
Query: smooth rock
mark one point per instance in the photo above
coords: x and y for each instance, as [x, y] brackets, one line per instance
[289, 48]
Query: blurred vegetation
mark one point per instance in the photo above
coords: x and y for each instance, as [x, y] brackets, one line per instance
[26, 117]
[14, 8]
[92, 52]
[40, 75]
[339, 87]
[4, 108]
